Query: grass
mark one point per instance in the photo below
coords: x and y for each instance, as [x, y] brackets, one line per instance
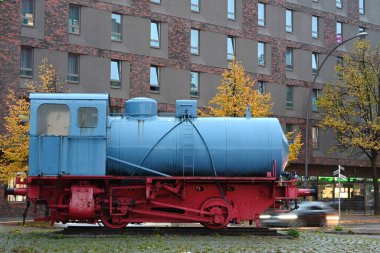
[295, 233]
[338, 228]
[31, 239]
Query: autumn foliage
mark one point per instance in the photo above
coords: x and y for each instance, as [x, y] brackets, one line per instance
[238, 91]
[351, 107]
[14, 143]
[295, 146]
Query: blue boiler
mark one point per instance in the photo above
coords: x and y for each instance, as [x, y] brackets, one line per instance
[142, 144]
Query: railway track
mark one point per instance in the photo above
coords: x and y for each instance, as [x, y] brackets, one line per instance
[231, 231]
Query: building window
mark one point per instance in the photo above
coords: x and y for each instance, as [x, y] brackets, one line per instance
[361, 7]
[154, 78]
[116, 27]
[314, 98]
[315, 137]
[73, 68]
[155, 34]
[115, 73]
[289, 58]
[289, 97]
[261, 14]
[289, 21]
[155, 1]
[288, 127]
[28, 12]
[231, 9]
[339, 4]
[339, 61]
[195, 41]
[339, 32]
[230, 47]
[314, 27]
[261, 53]
[74, 19]
[261, 87]
[26, 62]
[194, 85]
[314, 62]
[195, 6]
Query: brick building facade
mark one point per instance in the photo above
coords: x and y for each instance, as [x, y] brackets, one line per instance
[49, 37]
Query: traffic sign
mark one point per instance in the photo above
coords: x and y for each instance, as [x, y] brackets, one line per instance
[342, 176]
[341, 167]
[336, 172]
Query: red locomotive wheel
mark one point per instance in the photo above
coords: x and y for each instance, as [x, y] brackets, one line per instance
[107, 222]
[220, 212]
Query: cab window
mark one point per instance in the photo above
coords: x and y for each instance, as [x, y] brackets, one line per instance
[53, 119]
[87, 117]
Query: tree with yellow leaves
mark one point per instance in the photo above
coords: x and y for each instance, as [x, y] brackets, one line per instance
[351, 107]
[237, 92]
[295, 146]
[14, 143]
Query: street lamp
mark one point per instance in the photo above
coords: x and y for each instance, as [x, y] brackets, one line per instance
[362, 35]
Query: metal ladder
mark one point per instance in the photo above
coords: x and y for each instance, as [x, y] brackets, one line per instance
[188, 148]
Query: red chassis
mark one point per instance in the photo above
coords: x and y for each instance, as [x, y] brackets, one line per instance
[117, 201]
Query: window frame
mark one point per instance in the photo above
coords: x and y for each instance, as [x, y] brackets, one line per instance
[73, 75]
[195, 49]
[316, 93]
[46, 126]
[289, 27]
[315, 136]
[315, 33]
[314, 55]
[155, 40]
[155, 87]
[289, 97]
[195, 6]
[289, 67]
[230, 55]
[24, 14]
[79, 122]
[24, 70]
[261, 46]
[339, 4]
[261, 21]
[231, 14]
[75, 28]
[114, 83]
[361, 7]
[194, 92]
[261, 87]
[289, 128]
[339, 36]
[339, 60]
[117, 35]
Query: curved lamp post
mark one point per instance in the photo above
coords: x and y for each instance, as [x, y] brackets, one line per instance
[362, 35]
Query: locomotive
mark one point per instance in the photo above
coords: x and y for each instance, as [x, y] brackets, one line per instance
[87, 166]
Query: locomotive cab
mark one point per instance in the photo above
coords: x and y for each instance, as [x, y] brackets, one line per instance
[68, 134]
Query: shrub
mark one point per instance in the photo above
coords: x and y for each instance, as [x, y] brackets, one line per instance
[338, 228]
[295, 233]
